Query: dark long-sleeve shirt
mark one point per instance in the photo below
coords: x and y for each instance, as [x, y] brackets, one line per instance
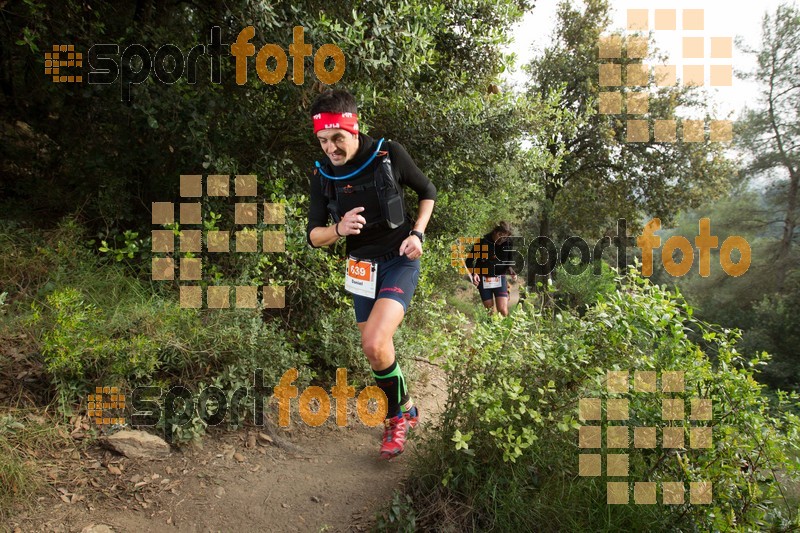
[378, 240]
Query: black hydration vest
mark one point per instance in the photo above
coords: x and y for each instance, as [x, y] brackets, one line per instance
[389, 193]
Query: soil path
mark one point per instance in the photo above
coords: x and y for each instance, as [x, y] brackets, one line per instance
[337, 483]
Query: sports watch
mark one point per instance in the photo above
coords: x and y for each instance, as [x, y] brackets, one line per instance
[419, 235]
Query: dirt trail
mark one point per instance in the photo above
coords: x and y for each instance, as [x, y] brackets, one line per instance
[338, 483]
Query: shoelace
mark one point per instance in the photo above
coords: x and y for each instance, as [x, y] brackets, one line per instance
[389, 425]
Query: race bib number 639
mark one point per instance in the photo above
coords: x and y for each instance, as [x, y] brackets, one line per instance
[361, 277]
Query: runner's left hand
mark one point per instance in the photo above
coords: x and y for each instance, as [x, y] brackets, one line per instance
[411, 247]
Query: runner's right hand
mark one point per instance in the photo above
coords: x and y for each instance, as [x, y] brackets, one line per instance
[351, 223]
[476, 279]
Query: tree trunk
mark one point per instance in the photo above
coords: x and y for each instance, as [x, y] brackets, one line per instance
[537, 272]
[794, 176]
[790, 222]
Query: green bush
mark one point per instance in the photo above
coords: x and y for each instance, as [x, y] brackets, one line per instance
[774, 322]
[153, 341]
[79, 350]
[584, 289]
[508, 446]
[29, 259]
[96, 322]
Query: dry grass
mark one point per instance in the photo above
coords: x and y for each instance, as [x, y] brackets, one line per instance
[29, 439]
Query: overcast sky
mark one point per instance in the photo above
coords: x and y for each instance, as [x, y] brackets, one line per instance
[735, 18]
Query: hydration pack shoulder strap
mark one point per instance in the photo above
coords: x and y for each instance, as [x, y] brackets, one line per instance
[390, 194]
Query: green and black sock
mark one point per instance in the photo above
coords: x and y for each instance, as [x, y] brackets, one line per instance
[393, 384]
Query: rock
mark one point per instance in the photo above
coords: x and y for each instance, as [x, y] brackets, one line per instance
[135, 443]
[239, 457]
[264, 438]
[97, 528]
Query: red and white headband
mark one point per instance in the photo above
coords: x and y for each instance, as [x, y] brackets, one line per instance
[342, 121]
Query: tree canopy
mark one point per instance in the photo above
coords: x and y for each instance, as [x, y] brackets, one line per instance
[770, 132]
[601, 174]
